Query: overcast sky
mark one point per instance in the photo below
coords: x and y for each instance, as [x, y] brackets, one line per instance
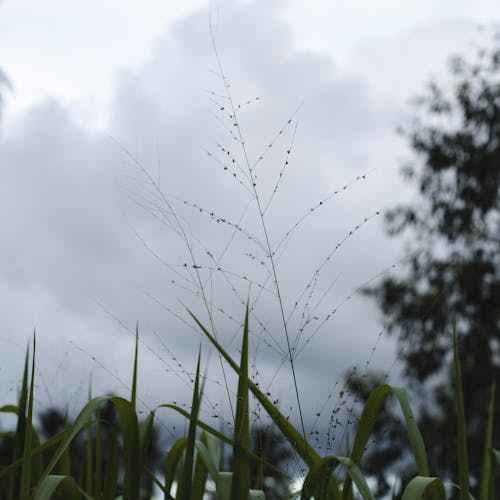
[120, 163]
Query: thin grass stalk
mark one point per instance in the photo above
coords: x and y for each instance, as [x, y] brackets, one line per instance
[264, 229]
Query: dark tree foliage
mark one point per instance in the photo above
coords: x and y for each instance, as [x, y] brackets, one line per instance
[453, 231]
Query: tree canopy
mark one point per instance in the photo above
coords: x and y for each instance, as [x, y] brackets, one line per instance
[453, 234]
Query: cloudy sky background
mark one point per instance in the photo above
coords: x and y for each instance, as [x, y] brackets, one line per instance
[114, 109]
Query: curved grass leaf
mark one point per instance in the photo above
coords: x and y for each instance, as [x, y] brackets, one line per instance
[204, 454]
[173, 458]
[66, 486]
[368, 418]
[317, 480]
[430, 488]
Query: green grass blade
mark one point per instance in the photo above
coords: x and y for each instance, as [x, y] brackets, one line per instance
[317, 480]
[201, 424]
[35, 452]
[36, 459]
[134, 375]
[223, 485]
[64, 467]
[158, 483]
[66, 486]
[98, 460]
[214, 433]
[130, 431]
[241, 464]
[173, 458]
[486, 471]
[463, 466]
[199, 477]
[26, 462]
[416, 440]
[367, 421]
[207, 457]
[428, 488]
[111, 474]
[145, 435]
[186, 479]
[89, 468]
[19, 436]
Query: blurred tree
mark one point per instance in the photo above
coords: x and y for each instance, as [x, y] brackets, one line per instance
[454, 265]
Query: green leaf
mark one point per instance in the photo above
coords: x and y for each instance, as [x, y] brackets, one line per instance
[199, 477]
[35, 452]
[186, 479]
[98, 461]
[223, 485]
[368, 418]
[134, 375]
[317, 480]
[145, 435]
[173, 458]
[111, 473]
[204, 454]
[241, 464]
[26, 462]
[65, 485]
[428, 488]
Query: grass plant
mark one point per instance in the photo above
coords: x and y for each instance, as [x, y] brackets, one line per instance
[193, 460]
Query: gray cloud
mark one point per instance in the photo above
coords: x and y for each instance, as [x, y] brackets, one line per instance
[85, 233]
